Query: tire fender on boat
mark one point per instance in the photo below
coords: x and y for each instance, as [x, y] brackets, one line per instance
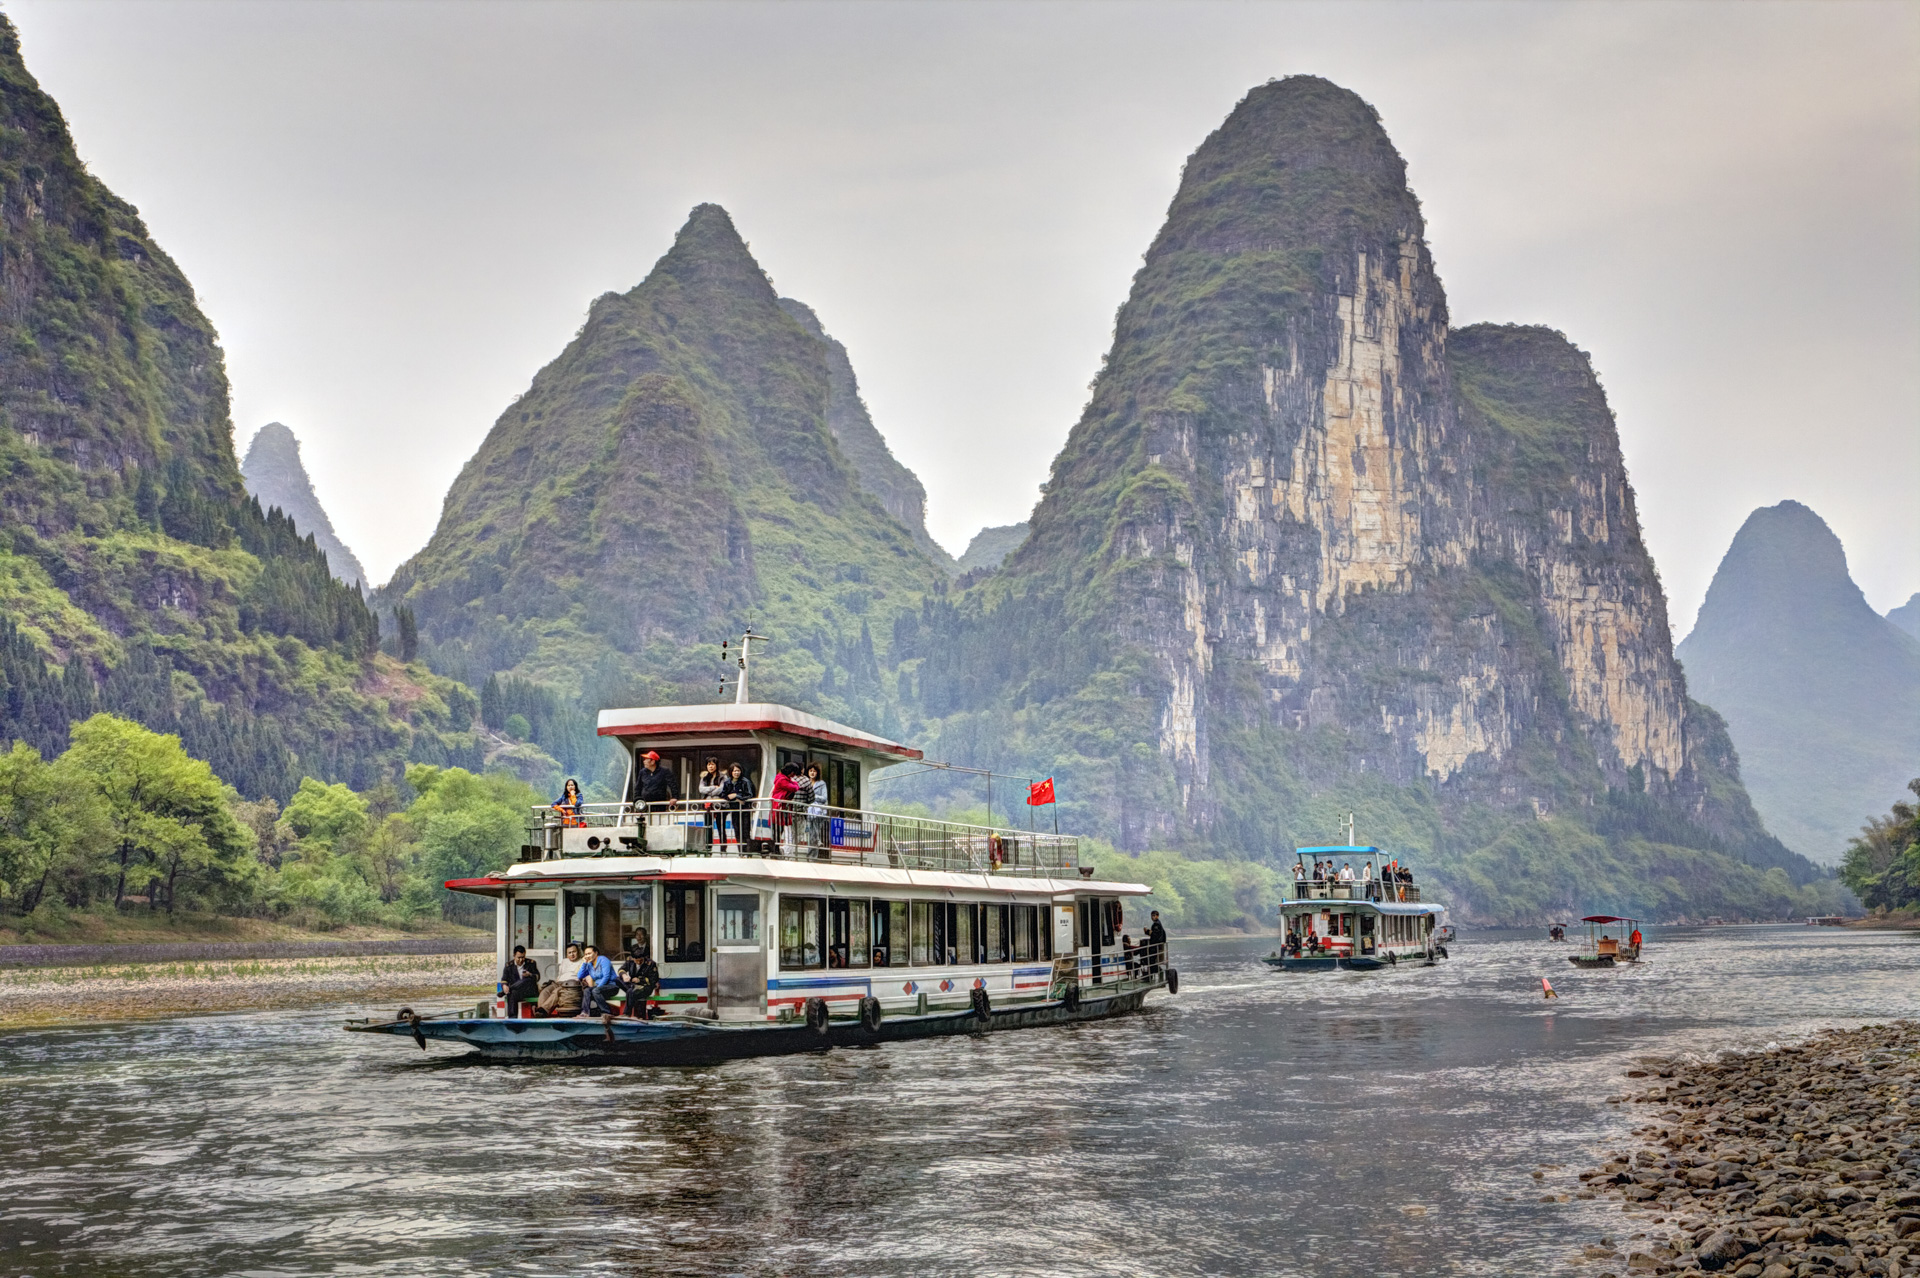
[870, 1013]
[1393, 959]
[1173, 980]
[1072, 998]
[817, 1015]
[982, 1005]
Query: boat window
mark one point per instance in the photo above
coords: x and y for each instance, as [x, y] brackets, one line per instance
[962, 934]
[686, 764]
[942, 929]
[897, 929]
[736, 917]
[841, 775]
[1109, 921]
[579, 918]
[1083, 923]
[922, 933]
[536, 925]
[685, 907]
[801, 919]
[994, 933]
[1026, 940]
[847, 925]
[882, 934]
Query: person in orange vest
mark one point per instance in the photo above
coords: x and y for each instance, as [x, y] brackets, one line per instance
[1635, 942]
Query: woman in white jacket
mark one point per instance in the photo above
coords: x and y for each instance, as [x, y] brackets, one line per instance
[819, 824]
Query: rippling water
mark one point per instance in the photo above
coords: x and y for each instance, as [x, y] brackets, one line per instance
[1384, 1123]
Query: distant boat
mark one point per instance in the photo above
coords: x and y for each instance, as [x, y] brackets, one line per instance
[1371, 920]
[1604, 950]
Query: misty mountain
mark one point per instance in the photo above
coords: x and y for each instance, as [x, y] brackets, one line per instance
[1820, 693]
[275, 476]
[1907, 616]
[990, 547]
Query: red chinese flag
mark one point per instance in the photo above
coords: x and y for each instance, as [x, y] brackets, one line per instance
[1041, 793]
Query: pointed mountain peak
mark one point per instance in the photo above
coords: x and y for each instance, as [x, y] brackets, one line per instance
[708, 253]
[1301, 162]
[1784, 556]
[275, 476]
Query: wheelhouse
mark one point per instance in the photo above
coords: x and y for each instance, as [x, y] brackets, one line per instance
[1351, 906]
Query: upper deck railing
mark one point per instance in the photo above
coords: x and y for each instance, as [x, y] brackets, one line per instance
[1355, 890]
[760, 827]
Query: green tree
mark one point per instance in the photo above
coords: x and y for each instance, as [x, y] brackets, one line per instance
[468, 825]
[1882, 866]
[49, 822]
[167, 816]
[331, 819]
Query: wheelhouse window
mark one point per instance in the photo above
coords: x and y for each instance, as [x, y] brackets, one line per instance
[1026, 934]
[848, 924]
[685, 909]
[736, 917]
[536, 925]
[802, 933]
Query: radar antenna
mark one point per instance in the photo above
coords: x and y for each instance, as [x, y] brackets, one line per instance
[739, 656]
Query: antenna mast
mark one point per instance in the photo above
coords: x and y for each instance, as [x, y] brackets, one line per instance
[745, 654]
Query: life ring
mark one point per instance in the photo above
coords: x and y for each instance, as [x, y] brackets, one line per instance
[1173, 981]
[982, 1005]
[870, 1013]
[1072, 999]
[817, 1015]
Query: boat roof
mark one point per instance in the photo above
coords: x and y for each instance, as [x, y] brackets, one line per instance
[754, 716]
[1343, 847]
[1605, 918]
[1315, 905]
[649, 869]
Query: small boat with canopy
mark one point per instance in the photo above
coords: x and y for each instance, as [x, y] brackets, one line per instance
[1352, 908]
[1611, 940]
[780, 926]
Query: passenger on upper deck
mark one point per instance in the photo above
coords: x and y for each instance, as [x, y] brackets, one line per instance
[1319, 873]
[654, 786]
[1346, 872]
[709, 784]
[814, 791]
[568, 804]
[785, 786]
[736, 794]
[1299, 872]
[598, 982]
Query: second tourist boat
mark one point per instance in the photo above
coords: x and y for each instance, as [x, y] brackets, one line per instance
[793, 926]
[1352, 909]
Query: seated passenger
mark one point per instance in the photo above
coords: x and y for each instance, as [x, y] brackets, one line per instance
[639, 977]
[521, 976]
[598, 982]
[562, 997]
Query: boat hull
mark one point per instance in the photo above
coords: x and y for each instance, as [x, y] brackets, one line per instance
[1344, 963]
[1590, 960]
[679, 1041]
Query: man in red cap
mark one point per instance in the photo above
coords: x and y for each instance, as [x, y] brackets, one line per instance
[654, 786]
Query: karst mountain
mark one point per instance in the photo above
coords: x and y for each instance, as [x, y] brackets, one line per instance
[695, 461]
[275, 476]
[1311, 550]
[1821, 694]
[140, 577]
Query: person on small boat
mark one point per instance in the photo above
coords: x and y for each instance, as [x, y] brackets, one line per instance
[1156, 944]
[568, 804]
[598, 982]
[736, 798]
[654, 788]
[814, 793]
[785, 786]
[639, 977]
[521, 976]
[709, 783]
[1129, 953]
[562, 997]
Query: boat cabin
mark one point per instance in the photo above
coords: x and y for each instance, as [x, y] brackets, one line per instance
[750, 907]
[1611, 940]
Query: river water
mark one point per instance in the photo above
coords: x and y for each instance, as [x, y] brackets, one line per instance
[1257, 1123]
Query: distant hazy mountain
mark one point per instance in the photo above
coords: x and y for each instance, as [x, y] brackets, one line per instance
[991, 546]
[274, 474]
[1907, 616]
[1821, 694]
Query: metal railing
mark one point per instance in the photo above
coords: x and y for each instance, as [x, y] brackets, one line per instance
[759, 827]
[1356, 890]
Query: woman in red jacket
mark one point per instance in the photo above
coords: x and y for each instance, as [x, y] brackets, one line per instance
[784, 787]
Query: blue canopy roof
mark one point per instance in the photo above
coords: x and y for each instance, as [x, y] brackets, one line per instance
[1379, 907]
[1343, 847]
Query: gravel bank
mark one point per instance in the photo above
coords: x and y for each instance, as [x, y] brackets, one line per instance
[1776, 1164]
[52, 996]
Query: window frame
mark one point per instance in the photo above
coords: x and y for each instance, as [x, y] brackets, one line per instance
[796, 905]
[674, 943]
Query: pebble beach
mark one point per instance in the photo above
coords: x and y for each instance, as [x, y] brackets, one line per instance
[1782, 1163]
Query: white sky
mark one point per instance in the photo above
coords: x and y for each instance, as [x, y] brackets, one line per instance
[396, 213]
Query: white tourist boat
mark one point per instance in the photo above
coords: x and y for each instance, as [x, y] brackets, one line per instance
[780, 931]
[1372, 920]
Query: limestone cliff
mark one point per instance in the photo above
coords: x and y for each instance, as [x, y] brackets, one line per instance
[991, 546]
[1305, 540]
[276, 478]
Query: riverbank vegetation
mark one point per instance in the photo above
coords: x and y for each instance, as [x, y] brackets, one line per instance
[125, 822]
[1883, 864]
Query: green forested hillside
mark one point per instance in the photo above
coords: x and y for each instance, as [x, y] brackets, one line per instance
[136, 575]
[670, 478]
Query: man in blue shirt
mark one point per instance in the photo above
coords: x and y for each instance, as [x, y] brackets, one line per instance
[597, 982]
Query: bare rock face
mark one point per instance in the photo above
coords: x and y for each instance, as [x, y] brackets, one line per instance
[274, 474]
[1306, 531]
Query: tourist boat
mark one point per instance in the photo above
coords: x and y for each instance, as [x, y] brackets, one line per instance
[1359, 924]
[784, 931]
[1604, 950]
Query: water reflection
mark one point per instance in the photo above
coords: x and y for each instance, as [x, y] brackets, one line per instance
[1384, 1123]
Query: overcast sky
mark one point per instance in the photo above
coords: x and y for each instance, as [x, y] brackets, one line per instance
[395, 214]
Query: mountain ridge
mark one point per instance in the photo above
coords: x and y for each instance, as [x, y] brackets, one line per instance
[275, 476]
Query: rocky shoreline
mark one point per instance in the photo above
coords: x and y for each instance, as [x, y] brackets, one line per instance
[1783, 1163]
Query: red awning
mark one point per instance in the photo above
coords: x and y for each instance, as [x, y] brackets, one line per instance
[494, 887]
[1604, 918]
